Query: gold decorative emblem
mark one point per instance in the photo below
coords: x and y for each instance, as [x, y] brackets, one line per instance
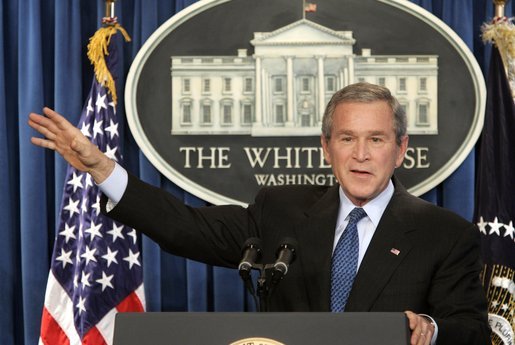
[499, 284]
[256, 341]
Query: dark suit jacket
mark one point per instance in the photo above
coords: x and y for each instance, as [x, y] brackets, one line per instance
[435, 271]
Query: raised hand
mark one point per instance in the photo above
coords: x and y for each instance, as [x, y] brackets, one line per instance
[64, 138]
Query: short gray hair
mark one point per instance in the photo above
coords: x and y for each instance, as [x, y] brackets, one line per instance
[365, 93]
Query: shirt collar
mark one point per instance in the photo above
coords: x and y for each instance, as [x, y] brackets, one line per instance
[374, 208]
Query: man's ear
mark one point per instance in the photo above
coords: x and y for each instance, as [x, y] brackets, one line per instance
[403, 147]
[325, 146]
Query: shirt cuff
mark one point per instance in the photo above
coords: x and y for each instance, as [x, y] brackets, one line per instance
[114, 185]
[435, 334]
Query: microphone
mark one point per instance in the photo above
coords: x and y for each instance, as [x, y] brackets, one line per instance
[251, 252]
[285, 256]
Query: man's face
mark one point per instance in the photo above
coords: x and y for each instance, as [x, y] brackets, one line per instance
[362, 149]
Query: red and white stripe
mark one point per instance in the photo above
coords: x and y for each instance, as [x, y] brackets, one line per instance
[58, 328]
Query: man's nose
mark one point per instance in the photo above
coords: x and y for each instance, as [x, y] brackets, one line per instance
[361, 150]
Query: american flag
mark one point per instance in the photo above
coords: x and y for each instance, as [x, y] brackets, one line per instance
[96, 263]
[495, 202]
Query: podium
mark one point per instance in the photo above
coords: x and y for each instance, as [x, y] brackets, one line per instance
[261, 328]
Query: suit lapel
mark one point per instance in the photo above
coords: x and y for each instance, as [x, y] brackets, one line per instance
[316, 237]
[388, 248]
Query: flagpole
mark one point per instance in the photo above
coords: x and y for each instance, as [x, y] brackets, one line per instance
[109, 18]
[499, 8]
[303, 9]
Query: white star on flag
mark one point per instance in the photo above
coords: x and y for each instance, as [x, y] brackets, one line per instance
[84, 280]
[495, 227]
[97, 128]
[96, 206]
[101, 102]
[89, 108]
[482, 225]
[84, 206]
[111, 152]
[65, 258]
[85, 129]
[105, 281]
[89, 255]
[89, 181]
[68, 232]
[116, 232]
[509, 230]
[110, 257]
[80, 305]
[133, 235]
[132, 259]
[113, 106]
[94, 230]
[112, 129]
[72, 207]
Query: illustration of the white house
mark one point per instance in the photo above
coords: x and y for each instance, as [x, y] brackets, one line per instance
[283, 88]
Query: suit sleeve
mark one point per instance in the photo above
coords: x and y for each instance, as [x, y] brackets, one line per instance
[213, 234]
[457, 298]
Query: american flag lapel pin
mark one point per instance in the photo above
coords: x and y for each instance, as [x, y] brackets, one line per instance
[395, 251]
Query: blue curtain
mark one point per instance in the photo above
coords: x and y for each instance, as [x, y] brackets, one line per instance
[43, 62]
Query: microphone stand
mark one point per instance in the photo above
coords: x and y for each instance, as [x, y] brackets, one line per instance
[263, 286]
[270, 274]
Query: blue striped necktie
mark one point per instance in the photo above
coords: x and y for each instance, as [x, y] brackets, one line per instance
[345, 262]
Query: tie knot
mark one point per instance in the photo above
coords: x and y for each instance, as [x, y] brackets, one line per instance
[356, 214]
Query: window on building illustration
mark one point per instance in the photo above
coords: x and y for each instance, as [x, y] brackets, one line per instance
[404, 107]
[279, 85]
[186, 113]
[227, 114]
[227, 84]
[402, 84]
[330, 84]
[248, 85]
[247, 114]
[206, 113]
[305, 86]
[422, 84]
[305, 120]
[206, 85]
[361, 80]
[186, 85]
[279, 113]
[381, 81]
[423, 114]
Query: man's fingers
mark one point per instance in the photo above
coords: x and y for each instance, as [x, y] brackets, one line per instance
[47, 144]
[421, 329]
[51, 114]
[41, 121]
[56, 118]
[411, 319]
[43, 130]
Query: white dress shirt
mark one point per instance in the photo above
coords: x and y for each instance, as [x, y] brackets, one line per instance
[366, 226]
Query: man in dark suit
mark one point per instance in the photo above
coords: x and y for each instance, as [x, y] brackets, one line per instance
[400, 254]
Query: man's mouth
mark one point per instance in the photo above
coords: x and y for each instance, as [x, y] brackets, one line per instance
[360, 172]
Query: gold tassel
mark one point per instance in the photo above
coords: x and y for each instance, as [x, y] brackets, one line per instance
[502, 33]
[98, 49]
